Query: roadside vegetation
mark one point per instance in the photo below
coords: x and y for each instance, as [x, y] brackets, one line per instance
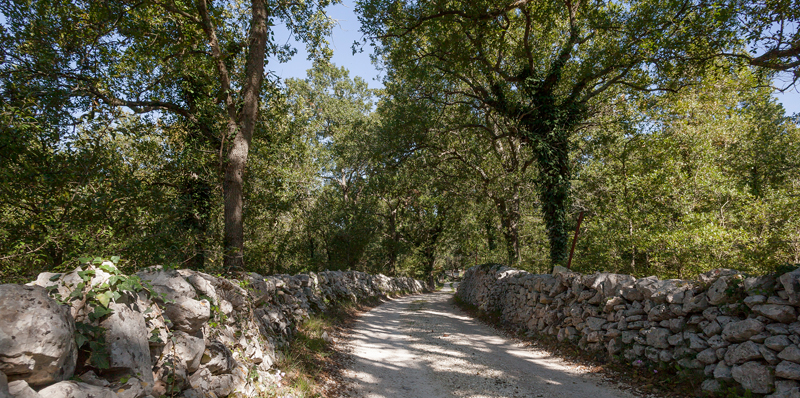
[156, 132]
[311, 366]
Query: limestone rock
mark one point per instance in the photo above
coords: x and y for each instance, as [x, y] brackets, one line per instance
[74, 389]
[4, 386]
[742, 330]
[37, 341]
[91, 378]
[646, 286]
[723, 372]
[718, 292]
[790, 353]
[188, 315]
[741, 353]
[669, 291]
[788, 370]
[711, 276]
[133, 388]
[769, 355]
[21, 389]
[753, 376]
[217, 358]
[127, 342]
[177, 363]
[777, 343]
[710, 385]
[221, 385]
[791, 282]
[707, 356]
[657, 337]
[188, 349]
[168, 283]
[780, 313]
[609, 285]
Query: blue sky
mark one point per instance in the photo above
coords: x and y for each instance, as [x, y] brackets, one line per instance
[344, 34]
[359, 64]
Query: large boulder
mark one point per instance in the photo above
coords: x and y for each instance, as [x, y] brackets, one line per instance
[37, 342]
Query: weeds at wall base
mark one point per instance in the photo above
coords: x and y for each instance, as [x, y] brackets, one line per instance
[654, 378]
[312, 365]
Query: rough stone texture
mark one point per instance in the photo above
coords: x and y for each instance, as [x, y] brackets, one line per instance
[780, 313]
[790, 353]
[174, 341]
[21, 389]
[126, 340]
[74, 389]
[217, 358]
[754, 376]
[36, 336]
[791, 282]
[742, 353]
[4, 386]
[187, 349]
[750, 337]
[788, 370]
[777, 343]
[742, 330]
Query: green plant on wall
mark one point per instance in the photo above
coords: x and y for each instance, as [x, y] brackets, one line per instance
[96, 299]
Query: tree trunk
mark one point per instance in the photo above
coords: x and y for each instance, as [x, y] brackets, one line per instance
[554, 188]
[233, 184]
[509, 218]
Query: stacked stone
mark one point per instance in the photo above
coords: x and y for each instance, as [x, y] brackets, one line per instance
[197, 336]
[734, 328]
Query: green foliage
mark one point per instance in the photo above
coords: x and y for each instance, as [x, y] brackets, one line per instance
[678, 184]
[499, 124]
[93, 297]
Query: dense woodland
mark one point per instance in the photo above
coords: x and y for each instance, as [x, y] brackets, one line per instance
[154, 130]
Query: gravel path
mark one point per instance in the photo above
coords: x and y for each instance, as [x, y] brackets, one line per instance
[422, 346]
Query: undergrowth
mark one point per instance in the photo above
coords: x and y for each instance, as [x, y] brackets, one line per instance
[311, 364]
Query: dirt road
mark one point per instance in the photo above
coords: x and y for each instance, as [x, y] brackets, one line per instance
[423, 346]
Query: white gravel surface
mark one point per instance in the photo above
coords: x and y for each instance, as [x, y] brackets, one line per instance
[422, 346]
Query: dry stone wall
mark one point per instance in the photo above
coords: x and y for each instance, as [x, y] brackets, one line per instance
[734, 328]
[187, 334]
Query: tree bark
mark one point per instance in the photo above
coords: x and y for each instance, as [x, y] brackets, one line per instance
[508, 210]
[247, 116]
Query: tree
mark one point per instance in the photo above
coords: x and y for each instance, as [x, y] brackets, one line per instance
[545, 66]
[772, 28]
[154, 57]
[680, 183]
[467, 150]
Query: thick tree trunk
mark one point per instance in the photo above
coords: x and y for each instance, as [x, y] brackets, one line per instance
[233, 188]
[554, 185]
[247, 116]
